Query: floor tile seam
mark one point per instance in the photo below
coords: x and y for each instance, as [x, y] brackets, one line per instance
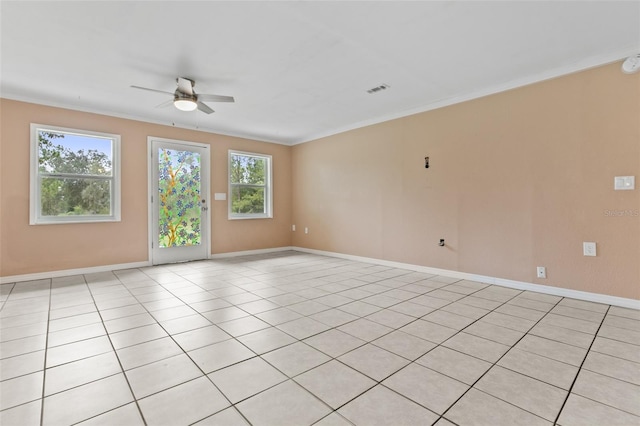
[584, 358]
[175, 385]
[513, 405]
[568, 329]
[349, 422]
[233, 404]
[302, 372]
[149, 312]
[605, 404]
[507, 327]
[613, 377]
[31, 401]
[574, 316]
[83, 384]
[23, 299]
[364, 343]
[568, 326]
[613, 314]
[27, 373]
[379, 381]
[73, 315]
[122, 370]
[569, 299]
[39, 321]
[470, 324]
[397, 393]
[556, 340]
[622, 328]
[616, 339]
[615, 356]
[438, 372]
[125, 316]
[536, 378]
[26, 336]
[21, 312]
[74, 327]
[495, 363]
[44, 361]
[343, 404]
[520, 307]
[171, 336]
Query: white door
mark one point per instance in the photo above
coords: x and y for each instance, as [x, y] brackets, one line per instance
[179, 186]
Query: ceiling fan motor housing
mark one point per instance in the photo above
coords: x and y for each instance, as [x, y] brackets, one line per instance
[178, 95]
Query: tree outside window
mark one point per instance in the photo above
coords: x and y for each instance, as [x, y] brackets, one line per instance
[74, 176]
[249, 185]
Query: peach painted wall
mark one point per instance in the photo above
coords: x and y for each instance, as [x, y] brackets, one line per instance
[517, 180]
[29, 249]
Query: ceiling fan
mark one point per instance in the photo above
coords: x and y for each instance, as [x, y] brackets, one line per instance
[186, 99]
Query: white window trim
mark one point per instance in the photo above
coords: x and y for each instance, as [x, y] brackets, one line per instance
[35, 218]
[268, 190]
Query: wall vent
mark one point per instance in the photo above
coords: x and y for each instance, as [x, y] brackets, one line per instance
[378, 88]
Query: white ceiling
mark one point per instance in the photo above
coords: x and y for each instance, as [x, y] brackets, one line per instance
[298, 70]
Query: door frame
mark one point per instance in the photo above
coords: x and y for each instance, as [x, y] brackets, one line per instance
[205, 176]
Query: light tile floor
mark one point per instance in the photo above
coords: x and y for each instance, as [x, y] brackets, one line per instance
[298, 339]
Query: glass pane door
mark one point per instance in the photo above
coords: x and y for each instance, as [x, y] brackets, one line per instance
[179, 198]
[179, 202]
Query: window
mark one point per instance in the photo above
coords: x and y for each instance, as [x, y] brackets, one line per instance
[249, 185]
[74, 176]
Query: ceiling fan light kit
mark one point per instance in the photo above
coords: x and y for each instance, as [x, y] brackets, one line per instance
[186, 99]
[184, 104]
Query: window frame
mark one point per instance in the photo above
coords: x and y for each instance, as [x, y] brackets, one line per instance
[35, 211]
[268, 187]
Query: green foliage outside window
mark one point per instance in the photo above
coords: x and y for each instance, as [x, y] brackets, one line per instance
[248, 177]
[73, 180]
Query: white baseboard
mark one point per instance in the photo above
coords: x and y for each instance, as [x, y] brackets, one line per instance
[520, 285]
[249, 252]
[106, 268]
[67, 272]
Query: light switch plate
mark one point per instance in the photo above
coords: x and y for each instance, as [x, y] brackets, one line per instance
[624, 183]
[589, 249]
[220, 196]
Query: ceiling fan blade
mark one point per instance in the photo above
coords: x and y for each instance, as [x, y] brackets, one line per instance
[185, 86]
[152, 90]
[215, 98]
[165, 104]
[204, 108]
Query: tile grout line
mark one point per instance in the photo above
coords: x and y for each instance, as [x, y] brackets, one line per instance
[381, 309]
[115, 353]
[204, 374]
[379, 382]
[297, 340]
[498, 360]
[575, 379]
[314, 284]
[46, 349]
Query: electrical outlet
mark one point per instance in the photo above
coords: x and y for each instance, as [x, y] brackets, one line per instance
[541, 271]
[293, 227]
[306, 230]
[589, 249]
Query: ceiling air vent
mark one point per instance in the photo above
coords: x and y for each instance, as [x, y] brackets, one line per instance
[378, 88]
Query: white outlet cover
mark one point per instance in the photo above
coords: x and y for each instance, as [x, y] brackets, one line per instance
[624, 183]
[589, 248]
